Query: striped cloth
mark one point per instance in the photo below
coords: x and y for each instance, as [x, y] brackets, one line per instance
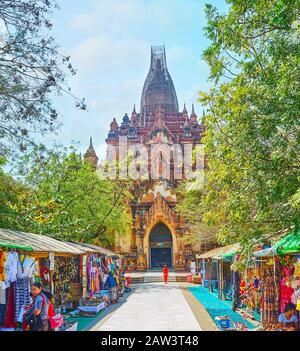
[22, 295]
[2, 314]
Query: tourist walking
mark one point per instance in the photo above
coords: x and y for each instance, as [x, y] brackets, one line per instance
[113, 287]
[166, 274]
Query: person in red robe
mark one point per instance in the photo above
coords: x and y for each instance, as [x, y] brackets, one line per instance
[166, 274]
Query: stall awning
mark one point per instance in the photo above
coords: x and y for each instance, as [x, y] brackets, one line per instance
[11, 245]
[100, 250]
[36, 242]
[264, 253]
[89, 248]
[290, 244]
[218, 252]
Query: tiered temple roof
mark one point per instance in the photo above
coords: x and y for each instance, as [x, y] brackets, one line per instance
[158, 99]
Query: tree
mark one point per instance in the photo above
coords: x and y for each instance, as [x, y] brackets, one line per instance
[31, 71]
[191, 209]
[10, 191]
[252, 137]
[67, 200]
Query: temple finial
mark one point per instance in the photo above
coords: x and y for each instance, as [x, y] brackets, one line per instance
[184, 110]
[90, 156]
[193, 109]
[134, 111]
[186, 123]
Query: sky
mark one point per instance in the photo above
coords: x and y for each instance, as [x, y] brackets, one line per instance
[109, 43]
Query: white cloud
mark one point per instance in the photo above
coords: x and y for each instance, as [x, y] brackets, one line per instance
[115, 16]
[102, 52]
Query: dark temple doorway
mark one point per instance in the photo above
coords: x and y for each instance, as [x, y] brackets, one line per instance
[161, 247]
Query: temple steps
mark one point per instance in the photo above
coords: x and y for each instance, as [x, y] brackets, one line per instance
[156, 277]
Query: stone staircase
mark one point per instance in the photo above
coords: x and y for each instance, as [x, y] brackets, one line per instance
[156, 277]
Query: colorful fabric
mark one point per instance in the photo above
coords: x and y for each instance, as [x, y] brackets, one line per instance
[111, 281]
[286, 293]
[2, 263]
[113, 293]
[271, 303]
[10, 310]
[95, 283]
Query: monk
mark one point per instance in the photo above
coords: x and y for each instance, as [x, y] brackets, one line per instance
[166, 274]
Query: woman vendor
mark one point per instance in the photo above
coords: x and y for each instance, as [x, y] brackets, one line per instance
[288, 319]
[37, 314]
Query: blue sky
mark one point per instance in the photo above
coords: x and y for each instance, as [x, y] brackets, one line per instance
[109, 42]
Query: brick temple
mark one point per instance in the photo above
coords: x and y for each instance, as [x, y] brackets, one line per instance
[157, 230]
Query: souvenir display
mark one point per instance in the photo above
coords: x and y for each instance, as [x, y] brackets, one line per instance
[66, 271]
[17, 272]
[270, 285]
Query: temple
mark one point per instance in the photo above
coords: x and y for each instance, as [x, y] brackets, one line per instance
[157, 233]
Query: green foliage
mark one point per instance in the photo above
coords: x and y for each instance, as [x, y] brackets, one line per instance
[253, 128]
[9, 192]
[64, 198]
[252, 137]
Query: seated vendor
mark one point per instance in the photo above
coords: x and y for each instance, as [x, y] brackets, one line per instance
[288, 320]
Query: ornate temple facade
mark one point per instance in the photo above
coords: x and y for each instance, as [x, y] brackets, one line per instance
[157, 230]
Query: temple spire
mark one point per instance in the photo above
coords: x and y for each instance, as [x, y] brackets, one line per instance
[193, 115]
[90, 156]
[193, 109]
[91, 144]
[134, 111]
[184, 110]
[114, 125]
[158, 87]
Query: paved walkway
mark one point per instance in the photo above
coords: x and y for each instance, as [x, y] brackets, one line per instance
[216, 307]
[154, 306]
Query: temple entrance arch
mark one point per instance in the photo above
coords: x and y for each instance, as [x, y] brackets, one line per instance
[160, 246]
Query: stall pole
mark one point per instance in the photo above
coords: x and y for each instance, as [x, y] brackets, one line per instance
[221, 280]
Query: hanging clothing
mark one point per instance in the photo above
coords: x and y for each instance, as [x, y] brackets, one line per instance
[11, 267]
[2, 293]
[271, 303]
[95, 284]
[2, 265]
[26, 268]
[22, 295]
[2, 314]
[286, 293]
[10, 310]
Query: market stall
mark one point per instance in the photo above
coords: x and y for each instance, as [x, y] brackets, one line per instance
[280, 266]
[215, 271]
[24, 258]
[95, 265]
